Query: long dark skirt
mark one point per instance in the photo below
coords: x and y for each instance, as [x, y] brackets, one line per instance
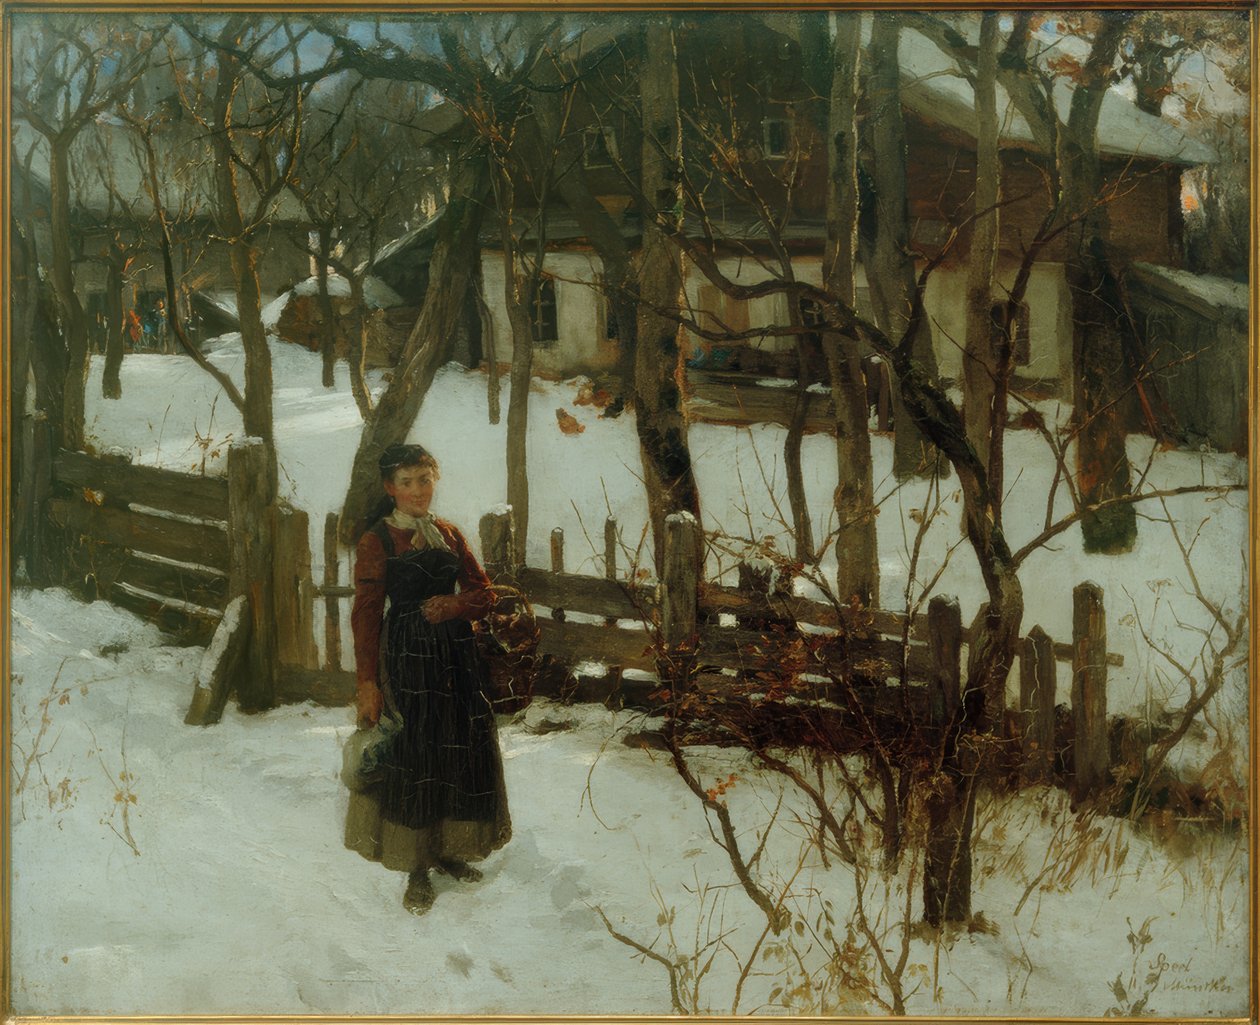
[443, 796]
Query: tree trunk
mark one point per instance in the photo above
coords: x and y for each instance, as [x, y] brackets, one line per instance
[257, 414]
[328, 336]
[1098, 312]
[947, 857]
[115, 327]
[518, 288]
[890, 269]
[24, 295]
[430, 344]
[356, 350]
[658, 367]
[802, 527]
[979, 364]
[73, 321]
[857, 554]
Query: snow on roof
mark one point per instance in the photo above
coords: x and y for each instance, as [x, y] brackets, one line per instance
[1214, 292]
[404, 241]
[376, 294]
[933, 87]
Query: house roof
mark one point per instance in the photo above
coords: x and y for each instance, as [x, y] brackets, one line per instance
[933, 88]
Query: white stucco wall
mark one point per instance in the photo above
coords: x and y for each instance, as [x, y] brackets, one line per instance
[1049, 319]
[582, 345]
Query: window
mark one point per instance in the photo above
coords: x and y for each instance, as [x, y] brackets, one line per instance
[812, 316]
[599, 147]
[546, 324]
[1021, 342]
[776, 137]
[606, 309]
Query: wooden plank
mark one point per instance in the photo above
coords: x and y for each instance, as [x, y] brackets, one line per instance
[592, 595]
[610, 548]
[141, 532]
[332, 688]
[760, 651]
[945, 650]
[610, 555]
[332, 604]
[188, 626]
[291, 574]
[578, 642]
[498, 542]
[557, 566]
[1036, 703]
[120, 482]
[1090, 749]
[219, 665]
[738, 400]
[185, 583]
[680, 578]
[715, 598]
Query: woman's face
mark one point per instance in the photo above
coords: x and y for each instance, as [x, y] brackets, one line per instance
[411, 488]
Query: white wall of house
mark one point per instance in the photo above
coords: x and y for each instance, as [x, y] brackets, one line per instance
[582, 345]
[581, 313]
[1049, 320]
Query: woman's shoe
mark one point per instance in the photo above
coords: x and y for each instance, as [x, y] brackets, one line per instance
[460, 870]
[419, 895]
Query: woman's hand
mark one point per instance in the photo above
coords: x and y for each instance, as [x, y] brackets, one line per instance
[442, 607]
[368, 703]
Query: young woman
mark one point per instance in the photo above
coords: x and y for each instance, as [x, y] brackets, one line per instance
[442, 803]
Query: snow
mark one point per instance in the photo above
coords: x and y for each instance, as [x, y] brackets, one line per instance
[376, 294]
[152, 859]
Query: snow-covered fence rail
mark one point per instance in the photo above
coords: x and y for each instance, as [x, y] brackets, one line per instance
[151, 540]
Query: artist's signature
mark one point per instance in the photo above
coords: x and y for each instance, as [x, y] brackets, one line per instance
[1178, 976]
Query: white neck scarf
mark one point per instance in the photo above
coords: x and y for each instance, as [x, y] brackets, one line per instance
[425, 532]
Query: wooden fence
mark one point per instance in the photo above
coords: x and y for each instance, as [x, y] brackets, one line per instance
[150, 540]
[204, 558]
[619, 622]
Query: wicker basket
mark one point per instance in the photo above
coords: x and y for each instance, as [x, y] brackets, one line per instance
[508, 639]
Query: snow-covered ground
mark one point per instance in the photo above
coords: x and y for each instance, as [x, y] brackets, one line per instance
[164, 869]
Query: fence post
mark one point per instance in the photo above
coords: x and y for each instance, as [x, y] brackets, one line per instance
[291, 577]
[557, 565]
[250, 541]
[332, 604]
[498, 543]
[610, 557]
[680, 578]
[1090, 760]
[945, 646]
[1036, 705]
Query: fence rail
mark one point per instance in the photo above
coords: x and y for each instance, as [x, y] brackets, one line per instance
[154, 541]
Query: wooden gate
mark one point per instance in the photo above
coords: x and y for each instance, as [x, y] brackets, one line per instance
[153, 541]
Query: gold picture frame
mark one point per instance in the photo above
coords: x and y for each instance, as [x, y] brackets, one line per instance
[308, 656]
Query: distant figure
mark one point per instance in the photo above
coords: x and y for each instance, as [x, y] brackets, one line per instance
[442, 802]
[134, 330]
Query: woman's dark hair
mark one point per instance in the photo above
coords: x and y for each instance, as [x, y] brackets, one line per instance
[395, 457]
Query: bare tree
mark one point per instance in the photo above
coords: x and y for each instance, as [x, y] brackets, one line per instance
[70, 72]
